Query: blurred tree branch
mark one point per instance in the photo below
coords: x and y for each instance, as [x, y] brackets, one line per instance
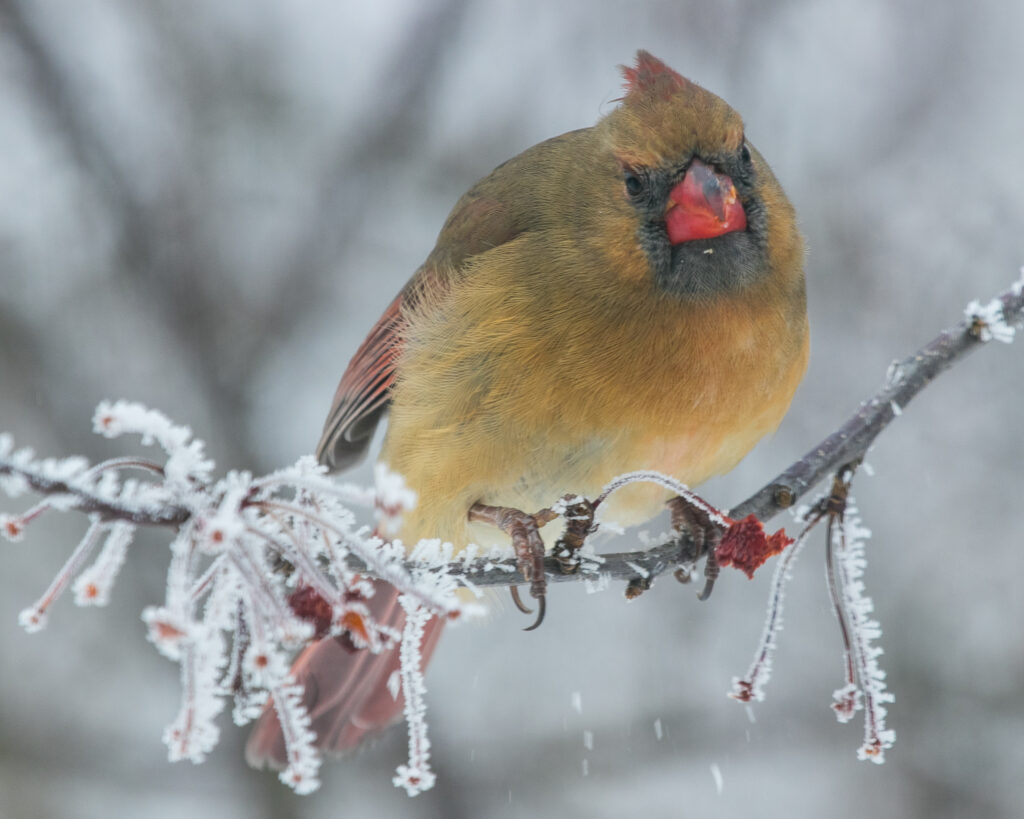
[160, 249]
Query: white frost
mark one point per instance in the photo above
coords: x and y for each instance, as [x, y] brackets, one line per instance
[255, 562]
[993, 325]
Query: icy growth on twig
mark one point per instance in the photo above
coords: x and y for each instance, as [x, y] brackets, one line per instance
[415, 776]
[670, 483]
[750, 687]
[989, 321]
[92, 588]
[393, 497]
[856, 608]
[34, 617]
[303, 758]
[193, 733]
[258, 568]
[864, 683]
[186, 458]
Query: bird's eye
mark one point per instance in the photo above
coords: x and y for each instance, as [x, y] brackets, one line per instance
[745, 154]
[634, 184]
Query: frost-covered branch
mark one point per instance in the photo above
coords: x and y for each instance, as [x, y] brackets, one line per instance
[994, 321]
[259, 568]
[262, 566]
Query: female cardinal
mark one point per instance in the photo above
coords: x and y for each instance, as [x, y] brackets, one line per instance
[627, 296]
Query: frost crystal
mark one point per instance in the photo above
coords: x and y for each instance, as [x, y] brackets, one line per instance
[989, 321]
[92, 588]
[303, 758]
[193, 733]
[186, 458]
[856, 607]
[415, 776]
[750, 688]
[670, 483]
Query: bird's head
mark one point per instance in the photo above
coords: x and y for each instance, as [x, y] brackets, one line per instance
[701, 202]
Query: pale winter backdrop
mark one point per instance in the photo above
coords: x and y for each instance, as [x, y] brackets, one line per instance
[204, 207]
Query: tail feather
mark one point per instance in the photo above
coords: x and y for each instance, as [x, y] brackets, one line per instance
[345, 690]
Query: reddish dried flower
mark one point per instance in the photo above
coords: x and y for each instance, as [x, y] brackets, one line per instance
[742, 690]
[872, 749]
[308, 605]
[746, 547]
[846, 702]
[355, 623]
[165, 631]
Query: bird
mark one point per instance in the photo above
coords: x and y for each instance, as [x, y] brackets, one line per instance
[625, 296]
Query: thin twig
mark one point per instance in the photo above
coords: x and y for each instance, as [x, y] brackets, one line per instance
[84, 500]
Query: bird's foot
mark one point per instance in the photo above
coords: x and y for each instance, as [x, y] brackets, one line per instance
[705, 533]
[579, 523]
[524, 530]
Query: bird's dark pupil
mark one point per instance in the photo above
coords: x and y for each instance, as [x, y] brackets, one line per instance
[633, 185]
[745, 154]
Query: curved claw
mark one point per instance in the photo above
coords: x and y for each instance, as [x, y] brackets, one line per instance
[519, 601]
[542, 606]
[705, 593]
[711, 569]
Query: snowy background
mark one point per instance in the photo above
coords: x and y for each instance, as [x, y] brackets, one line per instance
[205, 205]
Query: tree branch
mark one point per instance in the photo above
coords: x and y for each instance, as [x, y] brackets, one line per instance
[846, 445]
[906, 378]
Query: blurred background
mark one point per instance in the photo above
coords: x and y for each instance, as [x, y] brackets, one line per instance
[205, 205]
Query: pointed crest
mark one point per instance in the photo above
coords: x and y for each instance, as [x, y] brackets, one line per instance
[651, 76]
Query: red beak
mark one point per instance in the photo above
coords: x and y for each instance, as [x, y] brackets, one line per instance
[705, 204]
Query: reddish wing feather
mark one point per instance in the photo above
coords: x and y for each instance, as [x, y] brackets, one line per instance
[346, 691]
[478, 223]
[363, 393]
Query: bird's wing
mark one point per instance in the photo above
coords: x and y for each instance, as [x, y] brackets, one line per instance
[362, 395]
[345, 690]
[478, 223]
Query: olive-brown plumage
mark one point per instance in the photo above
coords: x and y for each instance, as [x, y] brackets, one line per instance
[627, 296]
